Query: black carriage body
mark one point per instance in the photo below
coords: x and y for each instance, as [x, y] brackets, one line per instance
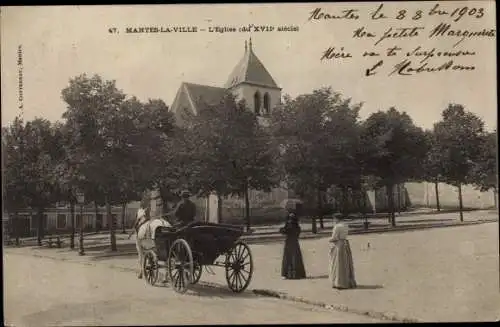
[207, 240]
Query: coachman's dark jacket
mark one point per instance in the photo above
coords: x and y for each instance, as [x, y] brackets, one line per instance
[185, 212]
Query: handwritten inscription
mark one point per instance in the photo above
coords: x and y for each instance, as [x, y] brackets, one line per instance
[332, 53]
[320, 14]
[445, 30]
[401, 45]
[406, 67]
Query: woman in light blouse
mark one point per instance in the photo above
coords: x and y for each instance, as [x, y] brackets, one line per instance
[341, 270]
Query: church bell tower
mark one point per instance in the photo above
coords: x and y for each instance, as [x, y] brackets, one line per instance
[251, 81]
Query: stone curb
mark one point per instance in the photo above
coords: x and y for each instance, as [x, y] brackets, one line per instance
[336, 307]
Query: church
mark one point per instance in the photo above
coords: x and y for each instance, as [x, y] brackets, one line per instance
[249, 81]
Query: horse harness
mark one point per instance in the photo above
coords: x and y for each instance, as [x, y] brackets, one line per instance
[141, 222]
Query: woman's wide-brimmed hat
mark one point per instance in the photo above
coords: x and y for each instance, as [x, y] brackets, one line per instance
[291, 204]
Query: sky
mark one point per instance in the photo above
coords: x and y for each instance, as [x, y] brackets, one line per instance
[59, 43]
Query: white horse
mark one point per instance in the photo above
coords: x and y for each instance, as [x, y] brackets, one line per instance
[145, 238]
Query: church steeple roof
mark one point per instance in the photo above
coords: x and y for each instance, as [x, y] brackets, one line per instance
[250, 70]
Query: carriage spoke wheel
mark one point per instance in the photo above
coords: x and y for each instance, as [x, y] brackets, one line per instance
[197, 270]
[150, 267]
[239, 267]
[180, 265]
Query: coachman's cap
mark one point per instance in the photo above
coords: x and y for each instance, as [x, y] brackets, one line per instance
[185, 193]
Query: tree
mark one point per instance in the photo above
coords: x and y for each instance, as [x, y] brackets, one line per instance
[165, 164]
[115, 142]
[319, 137]
[459, 136]
[139, 131]
[38, 150]
[229, 151]
[433, 165]
[394, 150]
[92, 111]
[13, 172]
[67, 175]
[345, 150]
[485, 169]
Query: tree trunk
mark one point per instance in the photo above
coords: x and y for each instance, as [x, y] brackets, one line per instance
[390, 204]
[495, 197]
[73, 231]
[40, 226]
[164, 205]
[363, 208]
[460, 202]
[320, 209]
[360, 201]
[309, 212]
[165, 196]
[124, 207]
[219, 208]
[247, 207]
[16, 227]
[345, 201]
[96, 209]
[112, 225]
[398, 191]
[436, 188]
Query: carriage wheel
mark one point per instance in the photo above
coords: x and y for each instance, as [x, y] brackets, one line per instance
[239, 267]
[180, 265]
[197, 270]
[151, 267]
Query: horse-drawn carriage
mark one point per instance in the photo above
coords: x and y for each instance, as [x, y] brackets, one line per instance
[185, 251]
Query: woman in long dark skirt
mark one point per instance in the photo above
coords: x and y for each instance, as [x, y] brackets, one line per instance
[292, 265]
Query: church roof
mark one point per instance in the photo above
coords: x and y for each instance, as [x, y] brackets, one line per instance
[250, 70]
[200, 94]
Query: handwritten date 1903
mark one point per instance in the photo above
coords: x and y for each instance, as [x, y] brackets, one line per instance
[457, 13]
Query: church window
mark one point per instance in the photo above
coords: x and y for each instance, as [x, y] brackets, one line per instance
[256, 103]
[266, 103]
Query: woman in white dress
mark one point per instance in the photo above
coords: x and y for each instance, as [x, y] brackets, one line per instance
[341, 270]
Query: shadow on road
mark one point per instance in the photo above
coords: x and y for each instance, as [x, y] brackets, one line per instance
[317, 277]
[209, 291]
[104, 247]
[369, 287]
[221, 292]
[102, 256]
[430, 220]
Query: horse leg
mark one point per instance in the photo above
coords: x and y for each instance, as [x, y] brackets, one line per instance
[166, 278]
[140, 253]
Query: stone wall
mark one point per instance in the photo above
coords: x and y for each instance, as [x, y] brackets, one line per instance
[424, 195]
